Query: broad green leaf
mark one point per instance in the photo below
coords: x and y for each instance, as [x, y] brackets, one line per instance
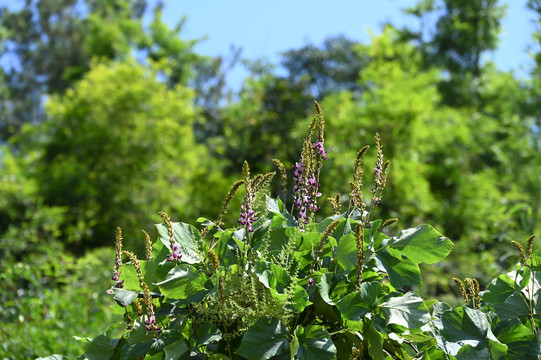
[323, 304]
[422, 244]
[259, 236]
[268, 337]
[135, 350]
[536, 260]
[401, 272]
[176, 350]
[515, 305]
[315, 343]
[281, 236]
[344, 342]
[433, 353]
[494, 350]
[274, 278]
[408, 311]
[355, 306]
[499, 290]
[182, 281]
[131, 280]
[300, 300]
[159, 251]
[139, 333]
[310, 241]
[375, 342]
[343, 228]
[346, 256]
[225, 248]
[467, 326]
[324, 287]
[187, 237]
[208, 333]
[468, 352]
[520, 340]
[374, 236]
[167, 337]
[277, 206]
[101, 348]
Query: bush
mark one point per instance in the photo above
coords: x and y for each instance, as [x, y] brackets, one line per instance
[282, 285]
[61, 297]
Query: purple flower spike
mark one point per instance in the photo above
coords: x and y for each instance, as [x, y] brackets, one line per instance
[318, 146]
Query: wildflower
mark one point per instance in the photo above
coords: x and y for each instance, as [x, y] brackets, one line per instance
[318, 146]
[118, 261]
[247, 214]
[175, 255]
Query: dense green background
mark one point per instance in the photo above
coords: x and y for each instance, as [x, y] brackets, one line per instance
[106, 122]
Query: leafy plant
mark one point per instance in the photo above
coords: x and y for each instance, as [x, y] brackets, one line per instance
[283, 285]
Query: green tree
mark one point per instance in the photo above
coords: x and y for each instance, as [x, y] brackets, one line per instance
[327, 69]
[116, 146]
[50, 44]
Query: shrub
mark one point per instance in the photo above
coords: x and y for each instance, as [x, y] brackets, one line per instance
[283, 285]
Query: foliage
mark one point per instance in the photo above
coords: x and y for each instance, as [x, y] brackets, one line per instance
[50, 296]
[282, 285]
[452, 167]
[86, 133]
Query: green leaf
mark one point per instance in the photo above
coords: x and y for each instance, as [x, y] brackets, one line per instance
[182, 281]
[276, 206]
[177, 350]
[207, 333]
[324, 287]
[520, 340]
[139, 333]
[187, 237]
[421, 245]
[346, 256]
[135, 350]
[281, 236]
[268, 337]
[315, 343]
[124, 297]
[375, 342]
[402, 272]
[467, 327]
[274, 277]
[468, 352]
[100, 348]
[409, 311]
[376, 237]
[536, 260]
[499, 290]
[515, 305]
[310, 241]
[355, 306]
[53, 357]
[129, 274]
[300, 300]
[167, 337]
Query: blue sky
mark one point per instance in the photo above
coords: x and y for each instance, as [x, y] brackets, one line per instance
[266, 28]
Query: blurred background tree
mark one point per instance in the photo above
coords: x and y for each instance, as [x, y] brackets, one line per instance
[107, 119]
